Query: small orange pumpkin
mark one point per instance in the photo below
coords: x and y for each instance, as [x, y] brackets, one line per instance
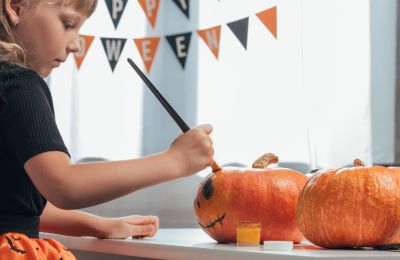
[258, 194]
[351, 207]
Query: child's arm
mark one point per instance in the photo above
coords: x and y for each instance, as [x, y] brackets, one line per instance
[78, 223]
[72, 186]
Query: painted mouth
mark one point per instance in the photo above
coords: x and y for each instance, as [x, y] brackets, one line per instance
[212, 224]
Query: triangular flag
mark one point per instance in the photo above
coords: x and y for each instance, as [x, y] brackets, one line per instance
[116, 9]
[147, 48]
[211, 37]
[85, 41]
[269, 19]
[113, 48]
[180, 45]
[240, 29]
[183, 5]
[150, 8]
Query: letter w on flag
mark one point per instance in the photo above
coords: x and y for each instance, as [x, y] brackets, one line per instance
[113, 48]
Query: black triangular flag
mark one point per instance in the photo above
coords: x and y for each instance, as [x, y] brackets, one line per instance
[180, 45]
[113, 48]
[116, 9]
[183, 5]
[240, 29]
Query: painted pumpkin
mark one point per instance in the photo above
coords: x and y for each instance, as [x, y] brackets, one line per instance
[351, 207]
[258, 194]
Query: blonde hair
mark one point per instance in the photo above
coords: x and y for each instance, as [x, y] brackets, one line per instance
[10, 51]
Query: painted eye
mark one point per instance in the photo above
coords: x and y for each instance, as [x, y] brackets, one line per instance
[208, 189]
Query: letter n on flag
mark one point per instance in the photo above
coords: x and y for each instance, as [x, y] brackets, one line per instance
[269, 19]
[147, 48]
[85, 42]
[150, 8]
[211, 37]
[113, 48]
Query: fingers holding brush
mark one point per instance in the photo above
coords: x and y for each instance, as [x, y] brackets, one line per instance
[193, 150]
[207, 128]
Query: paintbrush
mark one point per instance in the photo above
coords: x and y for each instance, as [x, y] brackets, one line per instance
[182, 125]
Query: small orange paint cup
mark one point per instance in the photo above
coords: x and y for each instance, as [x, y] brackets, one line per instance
[248, 233]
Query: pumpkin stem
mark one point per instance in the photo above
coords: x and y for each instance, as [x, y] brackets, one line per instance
[265, 160]
[215, 167]
[358, 163]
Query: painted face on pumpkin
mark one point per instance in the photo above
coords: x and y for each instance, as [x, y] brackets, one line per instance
[207, 192]
[13, 247]
[234, 195]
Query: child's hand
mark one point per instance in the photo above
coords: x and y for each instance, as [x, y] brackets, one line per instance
[192, 151]
[131, 226]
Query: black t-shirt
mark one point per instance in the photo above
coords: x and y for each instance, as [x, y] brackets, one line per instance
[27, 128]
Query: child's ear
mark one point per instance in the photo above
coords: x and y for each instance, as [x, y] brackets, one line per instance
[13, 10]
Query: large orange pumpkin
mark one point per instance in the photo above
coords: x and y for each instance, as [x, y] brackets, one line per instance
[258, 194]
[351, 207]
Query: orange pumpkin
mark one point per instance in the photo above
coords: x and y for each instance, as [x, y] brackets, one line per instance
[258, 194]
[351, 207]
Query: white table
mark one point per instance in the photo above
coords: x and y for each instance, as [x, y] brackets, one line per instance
[195, 244]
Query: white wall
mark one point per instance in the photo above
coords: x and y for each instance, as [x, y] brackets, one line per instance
[337, 79]
[103, 116]
[254, 98]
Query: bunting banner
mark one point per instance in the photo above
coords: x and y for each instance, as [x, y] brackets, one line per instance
[150, 8]
[116, 9]
[211, 36]
[180, 45]
[147, 48]
[183, 6]
[113, 48]
[269, 19]
[85, 41]
[240, 29]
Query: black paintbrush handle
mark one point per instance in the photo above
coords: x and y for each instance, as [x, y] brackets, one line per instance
[182, 125]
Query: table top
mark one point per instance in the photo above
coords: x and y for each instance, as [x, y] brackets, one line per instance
[193, 243]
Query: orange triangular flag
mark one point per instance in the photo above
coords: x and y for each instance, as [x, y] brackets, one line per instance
[269, 19]
[150, 8]
[211, 37]
[147, 48]
[85, 42]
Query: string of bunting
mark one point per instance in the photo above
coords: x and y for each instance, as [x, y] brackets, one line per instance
[179, 43]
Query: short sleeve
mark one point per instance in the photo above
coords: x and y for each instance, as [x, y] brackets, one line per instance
[28, 121]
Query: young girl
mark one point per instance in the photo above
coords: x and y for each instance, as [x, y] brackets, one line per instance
[39, 186]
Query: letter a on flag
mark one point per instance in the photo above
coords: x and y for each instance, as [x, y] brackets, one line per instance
[116, 9]
[211, 37]
[85, 42]
[113, 48]
[150, 8]
[269, 19]
[147, 48]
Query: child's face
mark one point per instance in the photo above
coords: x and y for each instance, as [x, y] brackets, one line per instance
[48, 33]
